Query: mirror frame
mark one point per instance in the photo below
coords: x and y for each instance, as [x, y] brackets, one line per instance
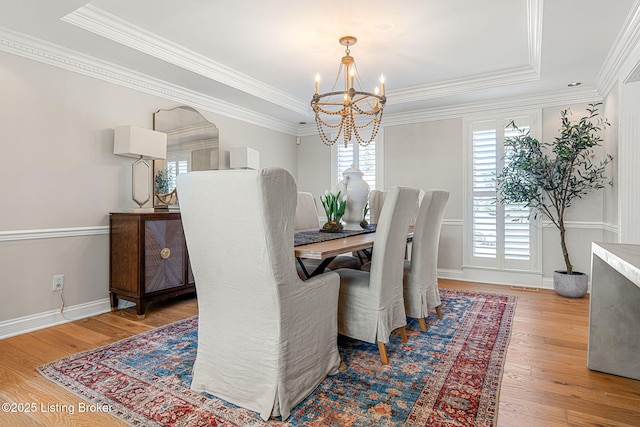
[170, 199]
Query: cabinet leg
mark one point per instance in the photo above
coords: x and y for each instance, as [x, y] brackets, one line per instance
[114, 301]
[140, 308]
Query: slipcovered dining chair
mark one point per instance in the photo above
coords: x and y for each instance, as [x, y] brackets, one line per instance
[306, 218]
[266, 339]
[376, 201]
[421, 272]
[306, 212]
[371, 304]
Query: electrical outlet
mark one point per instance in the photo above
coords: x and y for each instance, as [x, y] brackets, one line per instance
[58, 282]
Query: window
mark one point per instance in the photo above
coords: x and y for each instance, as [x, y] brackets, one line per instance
[175, 168]
[499, 236]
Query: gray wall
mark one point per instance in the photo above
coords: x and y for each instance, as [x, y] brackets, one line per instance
[61, 178]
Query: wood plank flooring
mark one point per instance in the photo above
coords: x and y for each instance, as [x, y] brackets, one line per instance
[545, 383]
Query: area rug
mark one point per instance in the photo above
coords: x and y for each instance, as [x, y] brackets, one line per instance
[448, 376]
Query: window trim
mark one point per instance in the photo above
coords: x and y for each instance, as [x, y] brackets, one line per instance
[469, 261]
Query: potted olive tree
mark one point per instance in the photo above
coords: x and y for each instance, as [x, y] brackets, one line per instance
[547, 176]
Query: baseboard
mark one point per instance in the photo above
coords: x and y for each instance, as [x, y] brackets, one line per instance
[500, 278]
[494, 277]
[34, 322]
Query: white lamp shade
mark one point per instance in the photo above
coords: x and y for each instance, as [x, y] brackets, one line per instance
[244, 158]
[133, 141]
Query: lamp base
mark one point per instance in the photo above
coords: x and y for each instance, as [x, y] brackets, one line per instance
[140, 187]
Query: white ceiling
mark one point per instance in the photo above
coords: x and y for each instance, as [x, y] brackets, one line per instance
[263, 55]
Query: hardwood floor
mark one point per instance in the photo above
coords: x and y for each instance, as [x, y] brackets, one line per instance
[545, 382]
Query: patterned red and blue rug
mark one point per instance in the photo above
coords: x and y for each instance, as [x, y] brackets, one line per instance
[448, 376]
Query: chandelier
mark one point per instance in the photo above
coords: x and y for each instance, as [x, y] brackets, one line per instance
[350, 113]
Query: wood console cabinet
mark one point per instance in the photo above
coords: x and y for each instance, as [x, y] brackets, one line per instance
[148, 258]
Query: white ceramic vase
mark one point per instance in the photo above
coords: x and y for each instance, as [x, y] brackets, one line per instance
[357, 191]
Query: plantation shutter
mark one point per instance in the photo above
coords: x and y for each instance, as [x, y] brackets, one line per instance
[517, 236]
[174, 169]
[500, 234]
[484, 224]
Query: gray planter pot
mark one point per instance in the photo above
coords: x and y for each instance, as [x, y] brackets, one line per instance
[570, 285]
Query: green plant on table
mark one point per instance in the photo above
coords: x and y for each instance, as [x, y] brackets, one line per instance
[364, 221]
[334, 206]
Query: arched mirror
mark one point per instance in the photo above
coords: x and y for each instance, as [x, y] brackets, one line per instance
[192, 145]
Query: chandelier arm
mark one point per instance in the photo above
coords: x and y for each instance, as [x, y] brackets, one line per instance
[381, 98]
[318, 97]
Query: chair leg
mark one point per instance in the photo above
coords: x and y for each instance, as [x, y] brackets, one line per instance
[383, 353]
[423, 324]
[439, 312]
[403, 334]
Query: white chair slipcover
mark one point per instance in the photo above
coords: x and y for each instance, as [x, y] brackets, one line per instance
[306, 212]
[266, 339]
[307, 218]
[421, 272]
[376, 201]
[371, 305]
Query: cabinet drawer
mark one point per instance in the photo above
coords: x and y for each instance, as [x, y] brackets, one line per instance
[164, 258]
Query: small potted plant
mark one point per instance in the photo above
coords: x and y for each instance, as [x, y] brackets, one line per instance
[163, 183]
[334, 207]
[547, 177]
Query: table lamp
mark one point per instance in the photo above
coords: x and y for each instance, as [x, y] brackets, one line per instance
[144, 144]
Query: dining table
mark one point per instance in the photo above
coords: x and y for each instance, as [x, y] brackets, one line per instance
[325, 246]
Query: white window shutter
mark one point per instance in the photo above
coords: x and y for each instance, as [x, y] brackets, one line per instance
[501, 235]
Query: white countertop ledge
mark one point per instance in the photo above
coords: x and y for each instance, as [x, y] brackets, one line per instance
[624, 258]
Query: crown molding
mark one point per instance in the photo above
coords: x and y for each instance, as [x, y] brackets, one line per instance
[102, 23]
[498, 106]
[502, 105]
[42, 51]
[463, 85]
[628, 39]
